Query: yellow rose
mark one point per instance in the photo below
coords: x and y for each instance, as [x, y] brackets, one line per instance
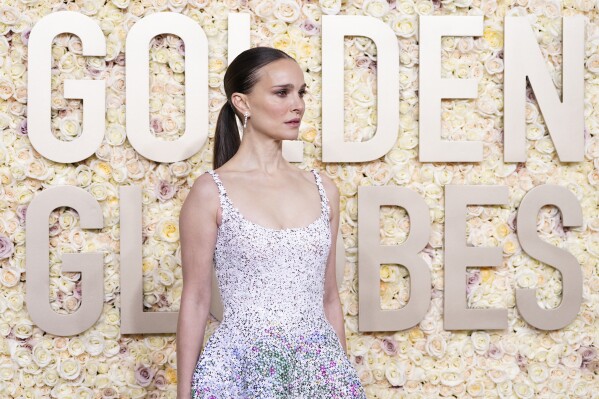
[281, 41]
[168, 230]
[102, 171]
[148, 265]
[493, 37]
[415, 334]
[171, 375]
[217, 64]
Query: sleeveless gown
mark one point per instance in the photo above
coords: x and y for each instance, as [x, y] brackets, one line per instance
[274, 340]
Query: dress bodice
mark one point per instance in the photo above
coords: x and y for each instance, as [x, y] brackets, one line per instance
[271, 276]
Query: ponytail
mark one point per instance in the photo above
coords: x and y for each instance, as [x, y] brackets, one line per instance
[226, 136]
[240, 77]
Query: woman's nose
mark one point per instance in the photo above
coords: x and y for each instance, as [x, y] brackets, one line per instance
[298, 102]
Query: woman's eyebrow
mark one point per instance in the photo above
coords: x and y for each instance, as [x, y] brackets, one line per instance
[288, 85]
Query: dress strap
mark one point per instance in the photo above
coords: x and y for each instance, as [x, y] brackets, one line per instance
[221, 190]
[321, 190]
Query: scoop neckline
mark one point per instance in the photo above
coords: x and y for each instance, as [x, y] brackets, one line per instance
[271, 229]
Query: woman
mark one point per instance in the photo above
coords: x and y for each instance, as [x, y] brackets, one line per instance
[282, 333]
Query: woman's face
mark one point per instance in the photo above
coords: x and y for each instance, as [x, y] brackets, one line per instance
[276, 99]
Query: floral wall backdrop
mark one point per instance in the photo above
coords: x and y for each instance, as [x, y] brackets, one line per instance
[425, 361]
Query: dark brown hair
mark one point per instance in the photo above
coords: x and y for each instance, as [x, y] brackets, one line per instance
[241, 76]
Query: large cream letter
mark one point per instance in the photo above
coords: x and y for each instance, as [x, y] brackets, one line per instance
[90, 265]
[334, 29]
[372, 254]
[433, 89]
[133, 318]
[39, 90]
[457, 315]
[565, 262]
[564, 119]
[196, 89]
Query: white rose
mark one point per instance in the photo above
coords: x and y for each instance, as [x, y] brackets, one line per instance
[523, 390]
[330, 7]
[286, 10]
[396, 373]
[7, 88]
[553, 9]
[75, 346]
[480, 341]
[558, 385]
[23, 329]
[476, 388]
[592, 63]
[572, 360]
[99, 191]
[538, 372]
[494, 65]
[585, 5]
[115, 134]
[535, 131]
[497, 375]
[7, 372]
[94, 343]
[505, 389]
[111, 348]
[376, 8]
[436, 345]
[22, 356]
[263, 8]
[451, 377]
[165, 277]
[9, 277]
[69, 368]
[526, 278]
[424, 7]
[41, 356]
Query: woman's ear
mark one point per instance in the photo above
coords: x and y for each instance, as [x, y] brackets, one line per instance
[240, 102]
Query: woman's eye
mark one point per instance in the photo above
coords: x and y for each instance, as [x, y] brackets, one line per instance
[302, 93]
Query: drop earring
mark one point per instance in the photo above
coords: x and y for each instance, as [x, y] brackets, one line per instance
[245, 122]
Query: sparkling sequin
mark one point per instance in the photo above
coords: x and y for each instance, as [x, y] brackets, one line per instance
[274, 340]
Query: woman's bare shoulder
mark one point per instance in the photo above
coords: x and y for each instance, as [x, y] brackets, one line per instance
[203, 191]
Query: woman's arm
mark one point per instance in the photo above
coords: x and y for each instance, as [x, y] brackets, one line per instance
[332, 303]
[197, 235]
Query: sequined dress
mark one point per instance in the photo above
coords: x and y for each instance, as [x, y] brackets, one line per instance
[274, 340]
